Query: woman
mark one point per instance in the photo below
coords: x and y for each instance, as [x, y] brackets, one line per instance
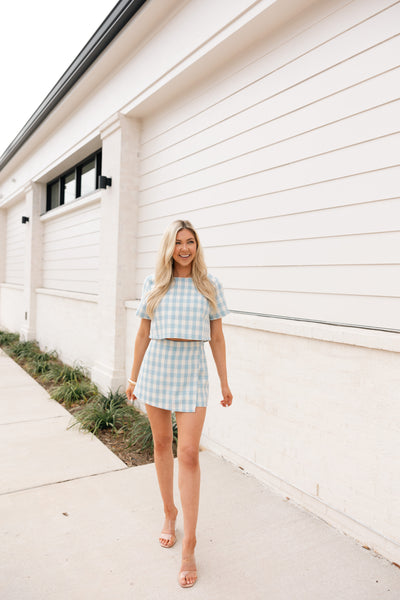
[181, 308]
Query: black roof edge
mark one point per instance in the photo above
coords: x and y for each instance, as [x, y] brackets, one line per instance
[103, 36]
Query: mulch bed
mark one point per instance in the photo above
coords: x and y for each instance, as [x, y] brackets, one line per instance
[115, 442]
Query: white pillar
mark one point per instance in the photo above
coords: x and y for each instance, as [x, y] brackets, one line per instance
[117, 254]
[33, 258]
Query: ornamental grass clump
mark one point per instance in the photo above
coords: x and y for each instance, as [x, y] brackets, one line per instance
[25, 351]
[8, 339]
[60, 373]
[106, 412]
[140, 437]
[71, 393]
[41, 363]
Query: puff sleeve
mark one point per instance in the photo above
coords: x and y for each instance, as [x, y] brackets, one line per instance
[222, 309]
[142, 308]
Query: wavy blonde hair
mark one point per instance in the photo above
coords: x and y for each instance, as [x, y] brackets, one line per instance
[164, 276]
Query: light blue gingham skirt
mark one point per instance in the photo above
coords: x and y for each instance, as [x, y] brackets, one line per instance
[173, 376]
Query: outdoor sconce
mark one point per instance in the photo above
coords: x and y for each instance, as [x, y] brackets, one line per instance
[104, 182]
[25, 220]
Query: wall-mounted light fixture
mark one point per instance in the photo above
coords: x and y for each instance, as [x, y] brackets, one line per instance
[104, 182]
[25, 220]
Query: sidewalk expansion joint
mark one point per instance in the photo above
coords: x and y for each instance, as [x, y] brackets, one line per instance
[51, 483]
[34, 420]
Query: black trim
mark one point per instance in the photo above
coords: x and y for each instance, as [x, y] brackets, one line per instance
[121, 14]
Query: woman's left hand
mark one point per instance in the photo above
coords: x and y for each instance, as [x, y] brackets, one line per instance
[227, 395]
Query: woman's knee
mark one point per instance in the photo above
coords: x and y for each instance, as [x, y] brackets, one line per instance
[188, 455]
[163, 443]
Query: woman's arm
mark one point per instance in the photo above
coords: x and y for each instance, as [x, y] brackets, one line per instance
[218, 350]
[141, 343]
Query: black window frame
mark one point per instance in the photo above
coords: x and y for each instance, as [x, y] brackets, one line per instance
[77, 170]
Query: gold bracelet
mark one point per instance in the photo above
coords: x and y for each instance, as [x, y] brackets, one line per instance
[132, 382]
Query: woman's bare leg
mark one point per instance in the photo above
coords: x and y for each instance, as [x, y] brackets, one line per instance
[161, 427]
[190, 426]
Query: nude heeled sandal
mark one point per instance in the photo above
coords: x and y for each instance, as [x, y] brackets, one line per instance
[170, 537]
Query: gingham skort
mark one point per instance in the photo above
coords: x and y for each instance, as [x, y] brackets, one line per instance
[173, 375]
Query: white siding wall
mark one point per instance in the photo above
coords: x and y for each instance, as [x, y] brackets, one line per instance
[71, 245]
[15, 244]
[288, 166]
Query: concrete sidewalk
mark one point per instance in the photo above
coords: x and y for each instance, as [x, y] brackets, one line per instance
[77, 524]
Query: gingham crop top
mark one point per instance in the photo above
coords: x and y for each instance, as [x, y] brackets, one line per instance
[183, 312]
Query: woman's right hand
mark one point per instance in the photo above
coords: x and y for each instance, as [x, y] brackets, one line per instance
[130, 393]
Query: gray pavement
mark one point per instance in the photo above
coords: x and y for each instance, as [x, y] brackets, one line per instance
[77, 524]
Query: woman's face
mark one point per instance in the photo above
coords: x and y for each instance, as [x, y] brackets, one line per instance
[185, 248]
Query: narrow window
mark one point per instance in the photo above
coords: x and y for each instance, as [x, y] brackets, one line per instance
[53, 195]
[76, 182]
[88, 177]
[68, 187]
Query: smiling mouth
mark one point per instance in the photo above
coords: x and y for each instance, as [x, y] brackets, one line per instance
[184, 255]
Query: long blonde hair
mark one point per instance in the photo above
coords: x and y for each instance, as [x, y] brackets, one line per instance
[165, 264]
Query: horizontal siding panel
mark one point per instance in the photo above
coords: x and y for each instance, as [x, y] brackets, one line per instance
[357, 280]
[348, 220]
[380, 248]
[315, 64]
[318, 145]
[275, 58]
[369, 311]
[84, 287]
[281, 142]
[71, 249]
[326, 23]
[371, 155]
[66, 275]
[273, 121]
[288, 166]
[80, 229]
[59, 265]
[213, 208]
[361, 280]
[74, 219]
[89, 240]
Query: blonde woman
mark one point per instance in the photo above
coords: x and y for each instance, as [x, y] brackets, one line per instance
[181, 308]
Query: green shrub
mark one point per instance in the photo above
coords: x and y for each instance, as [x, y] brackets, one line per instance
[8, 339]
[41, 363]
[24, 350]
[74, 392]
[60, 373]
[139, 434]
[106, 412]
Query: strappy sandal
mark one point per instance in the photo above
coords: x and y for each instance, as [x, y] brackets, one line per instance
[182, 578]
[170, 537]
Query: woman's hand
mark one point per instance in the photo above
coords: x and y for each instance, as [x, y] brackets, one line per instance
[227, 395]
[130, 392]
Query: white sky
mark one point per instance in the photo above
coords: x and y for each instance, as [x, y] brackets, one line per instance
[39, 40]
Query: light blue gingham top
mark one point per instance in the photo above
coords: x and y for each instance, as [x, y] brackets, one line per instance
[183, 312]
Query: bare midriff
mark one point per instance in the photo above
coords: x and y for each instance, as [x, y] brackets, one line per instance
[180, 340]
